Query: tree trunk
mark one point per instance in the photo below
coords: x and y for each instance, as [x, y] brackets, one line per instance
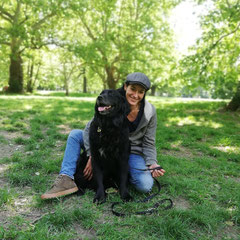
[153, 90]
[67, 92]
[15, 74]
[234, 104]
[110, 78]
[84, 84]
[111, 82]
[30, 77]
[66, 86]
[15, 69]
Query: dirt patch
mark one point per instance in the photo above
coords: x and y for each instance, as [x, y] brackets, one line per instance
[19, 204]
[5, 215]
[8, 148]
[83, 233]
[64, 129]
[3, 181]
[3, 168]
[12, 135]
[235, 179]
[181, 203]
[19, 208]
[228, 232]
[182, 152]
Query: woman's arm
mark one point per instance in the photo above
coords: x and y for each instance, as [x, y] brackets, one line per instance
[148, 143]
[86, 138]
[149, 147]
[87, 172]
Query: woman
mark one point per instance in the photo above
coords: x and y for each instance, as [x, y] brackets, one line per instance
[142, 126]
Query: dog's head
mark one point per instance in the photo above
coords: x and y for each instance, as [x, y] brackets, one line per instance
[111, 103]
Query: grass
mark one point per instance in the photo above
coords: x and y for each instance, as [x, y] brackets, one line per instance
[198, 146]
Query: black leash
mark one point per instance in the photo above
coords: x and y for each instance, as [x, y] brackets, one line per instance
[154, 207]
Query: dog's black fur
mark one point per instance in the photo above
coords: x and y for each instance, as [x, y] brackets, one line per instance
[109, 146]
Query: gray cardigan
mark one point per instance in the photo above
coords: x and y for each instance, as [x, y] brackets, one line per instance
[142, 140]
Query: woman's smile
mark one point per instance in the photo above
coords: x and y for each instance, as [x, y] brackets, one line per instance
[134, 94]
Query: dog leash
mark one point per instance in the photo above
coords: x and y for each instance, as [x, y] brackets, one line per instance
[154, 207]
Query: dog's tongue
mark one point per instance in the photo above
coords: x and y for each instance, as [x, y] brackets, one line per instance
[100, 109]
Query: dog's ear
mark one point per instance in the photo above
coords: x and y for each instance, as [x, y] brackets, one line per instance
[125, 107]
[124, 111]
[96, 108]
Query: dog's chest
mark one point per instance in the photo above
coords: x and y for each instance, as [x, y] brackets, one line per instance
[108, 148]
[109, 145]
[108, 142]
[102, 152]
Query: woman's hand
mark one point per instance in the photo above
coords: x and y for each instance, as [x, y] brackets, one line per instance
[87, 172]
[156, 173]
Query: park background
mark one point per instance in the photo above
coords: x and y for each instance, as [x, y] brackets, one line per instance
[56, 56]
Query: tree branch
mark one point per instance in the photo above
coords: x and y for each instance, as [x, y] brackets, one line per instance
[117, 59]
[222, 37]
[39, 44]
[17, 13]
[25, 14]
[229, 5]
[101, 75]
[89, 32]
[40, 22]
[24, 20]
[5, 43]
[5, 15]
[207, 52]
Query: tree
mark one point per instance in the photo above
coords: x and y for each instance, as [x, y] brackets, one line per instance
[215, 62]
[115, 37]
[70, 68]
[25, 23]
[4, 63]
[32, 73]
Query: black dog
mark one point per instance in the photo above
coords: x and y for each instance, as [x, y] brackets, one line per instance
[109, 146]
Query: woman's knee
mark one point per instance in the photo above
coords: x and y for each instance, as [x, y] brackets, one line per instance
[75, 134]
[143, 184]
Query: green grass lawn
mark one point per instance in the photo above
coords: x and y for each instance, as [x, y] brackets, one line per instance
[198, 146]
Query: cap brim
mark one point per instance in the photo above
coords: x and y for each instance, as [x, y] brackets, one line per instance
[139, 83]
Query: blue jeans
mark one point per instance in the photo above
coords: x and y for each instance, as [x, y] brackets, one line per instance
[141, 180]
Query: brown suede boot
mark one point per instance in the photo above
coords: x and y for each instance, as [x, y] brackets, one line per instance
[63, 185]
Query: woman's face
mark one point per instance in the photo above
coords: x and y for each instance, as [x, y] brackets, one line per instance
[134, 93]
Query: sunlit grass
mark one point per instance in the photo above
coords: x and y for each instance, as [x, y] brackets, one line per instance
[87, 99]
[228, 149]
[191, 120]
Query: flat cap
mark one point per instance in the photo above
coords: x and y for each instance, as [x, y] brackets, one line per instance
[139, 78]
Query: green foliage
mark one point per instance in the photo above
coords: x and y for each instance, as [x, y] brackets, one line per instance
[115, 38]
[214, 62]
[109, 39]
[26, 25]
[4, 63]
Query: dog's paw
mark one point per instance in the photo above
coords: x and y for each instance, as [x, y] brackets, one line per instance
[126, 197]
[99, 198]
[80, 192]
